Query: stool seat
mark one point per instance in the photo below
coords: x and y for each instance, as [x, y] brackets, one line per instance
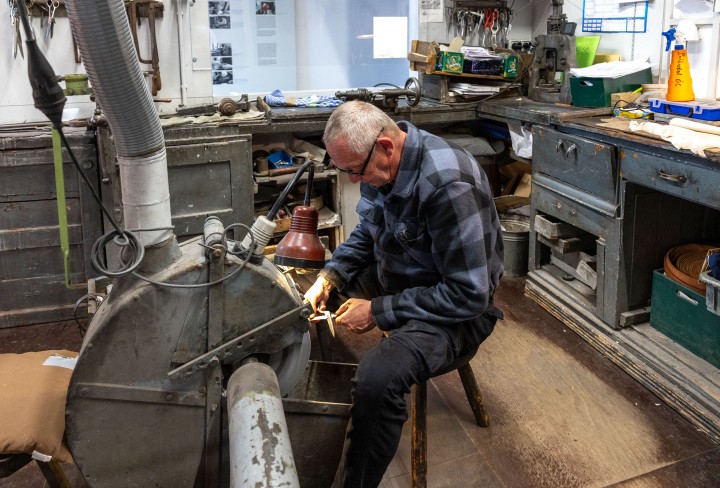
[418, 417]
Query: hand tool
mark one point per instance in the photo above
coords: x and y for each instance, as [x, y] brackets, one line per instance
[15, 26]
[52, 5]
[490, 18]
[494, 27]
[325, 315]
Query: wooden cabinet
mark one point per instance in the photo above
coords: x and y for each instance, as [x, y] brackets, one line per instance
[33, 267]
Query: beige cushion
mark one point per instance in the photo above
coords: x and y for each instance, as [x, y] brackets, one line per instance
[32, 404]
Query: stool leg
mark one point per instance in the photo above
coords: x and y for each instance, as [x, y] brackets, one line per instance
[472, 391]
[54, 474]
[418, 417]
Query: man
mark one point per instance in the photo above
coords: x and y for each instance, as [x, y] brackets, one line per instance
[422, 266]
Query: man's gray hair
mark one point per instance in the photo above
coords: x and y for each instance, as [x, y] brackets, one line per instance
[358, 123]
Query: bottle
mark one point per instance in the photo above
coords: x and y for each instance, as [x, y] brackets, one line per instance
[680, 87]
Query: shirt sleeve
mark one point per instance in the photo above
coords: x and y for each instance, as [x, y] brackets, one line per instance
[461, 221]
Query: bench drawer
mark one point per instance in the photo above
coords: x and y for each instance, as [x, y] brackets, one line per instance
[583, 163]
[679, 178]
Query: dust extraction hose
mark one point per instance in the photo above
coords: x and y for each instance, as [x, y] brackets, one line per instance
[106, 46]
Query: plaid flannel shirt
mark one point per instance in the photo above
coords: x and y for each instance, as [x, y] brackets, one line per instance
[434, 237]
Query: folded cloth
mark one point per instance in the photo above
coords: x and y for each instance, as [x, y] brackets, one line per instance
[277, 99]
[318, 101]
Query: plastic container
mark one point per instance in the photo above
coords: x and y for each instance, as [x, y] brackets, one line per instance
[679, 312]
[596, 92]
[697, 109]
[279, 159]
[712, 292]
[516, 241]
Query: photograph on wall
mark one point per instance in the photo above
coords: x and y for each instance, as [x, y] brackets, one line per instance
[222, 77]
[221, 49]
[219, 21]
[265, 8]
[218, 8]
[223, 63]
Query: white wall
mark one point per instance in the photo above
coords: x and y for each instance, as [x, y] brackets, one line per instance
[521, 24]
[16, 104]
[646, 45]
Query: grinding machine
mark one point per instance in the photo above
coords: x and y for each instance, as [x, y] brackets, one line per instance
[180, 374]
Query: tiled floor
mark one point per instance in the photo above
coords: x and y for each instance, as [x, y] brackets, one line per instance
[561, 415]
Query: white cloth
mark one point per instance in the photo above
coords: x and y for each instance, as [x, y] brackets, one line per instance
[521, 138]
[679, 137]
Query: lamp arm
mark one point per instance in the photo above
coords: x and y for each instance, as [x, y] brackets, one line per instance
[290, 186]
[309, 186]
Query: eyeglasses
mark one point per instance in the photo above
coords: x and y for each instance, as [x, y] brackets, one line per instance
[367, 159]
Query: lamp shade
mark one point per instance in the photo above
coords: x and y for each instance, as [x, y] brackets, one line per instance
[301, 246]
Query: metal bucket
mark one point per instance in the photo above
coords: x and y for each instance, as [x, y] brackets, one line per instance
[516, 240]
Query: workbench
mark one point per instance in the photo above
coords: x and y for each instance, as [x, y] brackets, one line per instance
[635, 197]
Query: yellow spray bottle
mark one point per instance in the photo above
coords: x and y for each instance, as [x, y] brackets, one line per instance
[680, 87]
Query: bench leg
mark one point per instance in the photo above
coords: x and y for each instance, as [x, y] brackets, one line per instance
[473, 395]
[418, 417]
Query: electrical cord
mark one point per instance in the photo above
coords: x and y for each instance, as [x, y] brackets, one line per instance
[132, 250]
[98, 297]
[124, 238]
[246, 259]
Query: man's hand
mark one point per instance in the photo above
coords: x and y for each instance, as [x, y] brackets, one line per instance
[356, 315]
[319, 293]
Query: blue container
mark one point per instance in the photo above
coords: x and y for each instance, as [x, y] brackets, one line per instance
[697, 109]
[279, 159]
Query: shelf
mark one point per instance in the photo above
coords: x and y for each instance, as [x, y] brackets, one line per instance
[284, 179]
[470, 75]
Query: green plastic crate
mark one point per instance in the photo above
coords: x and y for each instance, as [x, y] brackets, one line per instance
[681, 314]
[595, 92]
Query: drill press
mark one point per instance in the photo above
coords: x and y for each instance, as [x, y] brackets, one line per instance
[554, 56]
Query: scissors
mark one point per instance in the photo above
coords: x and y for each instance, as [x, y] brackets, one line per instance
[325, 315]
[491, 16]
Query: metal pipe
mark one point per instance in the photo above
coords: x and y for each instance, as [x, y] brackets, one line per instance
[181, 51]
[260, 450]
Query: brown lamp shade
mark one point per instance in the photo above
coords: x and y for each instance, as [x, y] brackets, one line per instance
[301, 246]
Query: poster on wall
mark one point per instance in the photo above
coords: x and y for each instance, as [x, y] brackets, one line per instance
[614, 16]
[252, 42]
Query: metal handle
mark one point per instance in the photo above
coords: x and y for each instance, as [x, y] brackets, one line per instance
[685, 297]
[559, 145]
[671, 178]
[573, 147]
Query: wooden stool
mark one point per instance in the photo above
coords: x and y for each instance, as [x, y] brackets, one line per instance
[418, 417]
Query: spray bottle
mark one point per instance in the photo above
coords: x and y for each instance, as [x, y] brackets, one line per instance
[680, 87]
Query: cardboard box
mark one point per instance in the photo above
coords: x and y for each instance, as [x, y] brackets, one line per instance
[524, 188]
[596, 92]
[452, 62]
